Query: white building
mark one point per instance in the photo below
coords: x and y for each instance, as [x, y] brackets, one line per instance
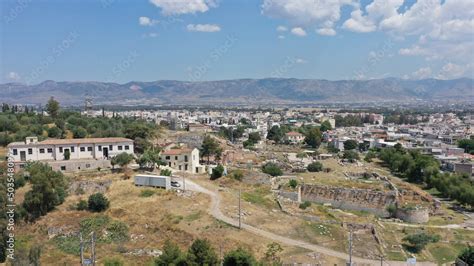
[183, 159]
[294, 137]
[85, 153]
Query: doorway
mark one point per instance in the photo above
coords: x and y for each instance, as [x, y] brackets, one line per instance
[105, 152]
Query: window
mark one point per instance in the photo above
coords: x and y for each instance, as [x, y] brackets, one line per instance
[30, 151]
[89, 148]
[176, 158]
[110, 147]
[15, 151]
[185, 158]
[72, 149]
[100, 148]
[167, 157]
[88, 165]
[127, 147]
[41, 150]
[63, 168]
[120, 147]
[60, 149]
[50, 150]
[83, 149]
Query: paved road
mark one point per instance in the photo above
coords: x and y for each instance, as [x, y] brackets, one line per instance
[215, 211]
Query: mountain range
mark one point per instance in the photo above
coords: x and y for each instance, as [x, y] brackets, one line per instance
[241, 91]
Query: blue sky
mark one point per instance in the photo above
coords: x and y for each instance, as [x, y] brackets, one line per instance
[146, 40]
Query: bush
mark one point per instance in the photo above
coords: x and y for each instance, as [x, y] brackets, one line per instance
[237, 175]
[113, 262]
[419, 241]
[202, 253]
[350, 144]
[351, 155]
[391, 209]
[272, 169]
[315, 167]
[467, 255]
[82, 205]
[165, 172]
[305, 205]
[98, 202]
[293, 183]
[117, 231]
[147, 193]
[217, 172]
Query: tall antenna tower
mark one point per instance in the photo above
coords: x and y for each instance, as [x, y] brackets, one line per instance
[88, 105]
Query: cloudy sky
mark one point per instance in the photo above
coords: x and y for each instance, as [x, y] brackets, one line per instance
[145, 40]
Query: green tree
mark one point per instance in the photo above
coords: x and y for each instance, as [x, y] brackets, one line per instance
[79, 132]
[325, 126]
[293, 183]
[276, 134]
[166, 172]
[150, 159]
[202, 253]
[239, 257]
[350, 144]
[315, 167]
[370, 156]
[172, 255]
[122, 159]
[217, 172]
[98, 202]
[467, 255]
[272, 169]
[52, 107]
[418, 241]
[350, 155]
[54, 132]
[467, 145]
[313, 138]
[210, 147]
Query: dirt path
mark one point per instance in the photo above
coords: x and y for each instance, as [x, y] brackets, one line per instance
[215, 211]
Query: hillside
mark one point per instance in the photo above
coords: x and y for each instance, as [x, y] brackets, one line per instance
[270, 90]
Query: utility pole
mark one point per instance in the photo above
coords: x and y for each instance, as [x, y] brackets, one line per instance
[93, 247]
[350, 247]
[240, 211]
[381, 260]
[82, 249]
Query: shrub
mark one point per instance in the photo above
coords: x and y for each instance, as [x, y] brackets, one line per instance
[165, 172]
[217, 172]
[272, 169]
[391, 209]
[98, 202]
[293, 183]
[113, 262]
[202, 253]
[418, 241]
[237, 175]
[117, 231]
[82, 205]
[305, 205]
[147, 193]
[351, 155]
[467, 255]
[315, 167]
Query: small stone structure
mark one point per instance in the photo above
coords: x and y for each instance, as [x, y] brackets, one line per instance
[413, 215]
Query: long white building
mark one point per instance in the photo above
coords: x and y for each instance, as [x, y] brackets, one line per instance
[83, 153]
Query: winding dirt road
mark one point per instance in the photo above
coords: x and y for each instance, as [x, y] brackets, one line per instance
[215, 211]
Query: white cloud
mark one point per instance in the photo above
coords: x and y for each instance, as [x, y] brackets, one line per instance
[452, 71]
[422, 73]
[13, 76]
[150, 35]
[203, 27]
[300, 61]
[298, 31]
[326, 31]
[358, 23]
[281, 28]
[179, 7]
[281, 37]
[146, 21]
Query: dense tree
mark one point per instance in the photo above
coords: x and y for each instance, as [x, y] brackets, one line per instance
[351, 155]
[122, 159]
[348, 121]
[172, 255]
[210, 147]
[239, 257]
[217, 172]
[467, 145]
[254, 138]
[293, 183]
[276, 134]
[79, 133]
[467, 255]
[315, 167]
[313, 138]
[325, 126]
[48, 190]
[418, 241]
[98, 202]
[202, 253]
[52, 107]
[350, 144]
[272, 169]
[150, 159]
[54, 132]
[166, 172]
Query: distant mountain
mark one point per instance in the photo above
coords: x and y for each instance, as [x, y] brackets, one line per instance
[238, 91]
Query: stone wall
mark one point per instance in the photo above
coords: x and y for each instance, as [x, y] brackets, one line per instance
[350, 198]
[414, 215]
